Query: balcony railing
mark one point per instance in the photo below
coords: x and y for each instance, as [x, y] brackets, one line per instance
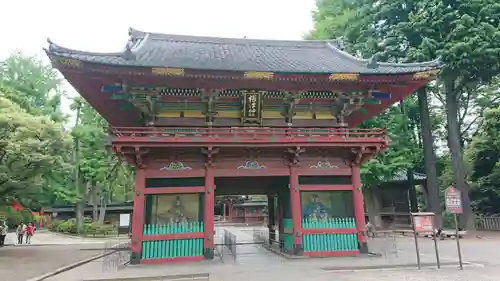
[274, 134]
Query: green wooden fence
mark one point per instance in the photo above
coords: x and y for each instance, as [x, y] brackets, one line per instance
[330, 242]
[158, 249]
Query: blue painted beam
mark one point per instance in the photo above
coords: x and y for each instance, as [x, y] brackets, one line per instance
[380, 95]
[112, 89]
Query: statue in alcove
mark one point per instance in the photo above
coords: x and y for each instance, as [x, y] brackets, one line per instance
[177, 213]
[315, 210]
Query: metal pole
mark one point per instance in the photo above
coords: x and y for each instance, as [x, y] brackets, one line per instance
[416, 242]
[437, 251]
[458, 242]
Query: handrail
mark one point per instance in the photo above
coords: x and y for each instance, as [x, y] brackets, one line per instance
[250, 132]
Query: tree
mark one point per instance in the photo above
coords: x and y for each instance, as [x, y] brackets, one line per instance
[484, 155]
[33, 85]
[332, 18]
[375, 28]
[30, 152]
[466, 35]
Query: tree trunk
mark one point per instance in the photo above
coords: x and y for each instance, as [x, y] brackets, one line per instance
[95, 204]
[431, 189]
[459, 174]
[80, 208]
[102, 210]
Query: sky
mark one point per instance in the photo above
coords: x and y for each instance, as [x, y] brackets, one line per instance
[102, 26]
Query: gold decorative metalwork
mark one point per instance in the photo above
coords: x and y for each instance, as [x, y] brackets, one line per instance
[70, 62]
[259, 75]
[344, 76]
[251, 165]
[176, 166]
[167, 71]
[252, 107]
[426, 74]
[323, 164]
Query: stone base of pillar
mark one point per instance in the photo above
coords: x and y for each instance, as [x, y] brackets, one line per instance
[135, 258]
[209, 254]
[298, 250]
[363, 248]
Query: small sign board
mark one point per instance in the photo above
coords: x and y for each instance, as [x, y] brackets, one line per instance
[124, 220]
[252, 107]
[453, 200]
[423, 222]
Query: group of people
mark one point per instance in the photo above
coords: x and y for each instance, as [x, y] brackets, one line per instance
[22, 230]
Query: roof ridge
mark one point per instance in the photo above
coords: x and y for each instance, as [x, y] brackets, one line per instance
[432, 63]
[136, 34]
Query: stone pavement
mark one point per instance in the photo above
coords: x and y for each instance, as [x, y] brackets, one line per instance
[22, 263]
[47, 252]
[254, 263]
[44, 237]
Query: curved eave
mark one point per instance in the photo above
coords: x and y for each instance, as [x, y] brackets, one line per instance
[58, 49]
[87, 62]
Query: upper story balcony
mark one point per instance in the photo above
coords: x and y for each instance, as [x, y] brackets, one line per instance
[248, 136]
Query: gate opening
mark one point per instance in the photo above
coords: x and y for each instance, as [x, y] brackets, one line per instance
[248, 217]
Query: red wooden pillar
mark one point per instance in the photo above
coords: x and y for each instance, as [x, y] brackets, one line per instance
[138, 216]
[208, 217]
[298, 249]
[359, 210]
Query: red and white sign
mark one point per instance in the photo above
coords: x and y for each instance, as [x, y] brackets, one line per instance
[453, 200]
[423, 223]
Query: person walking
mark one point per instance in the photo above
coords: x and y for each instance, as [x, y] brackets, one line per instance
[3, 233]
[30, 231]
[21, 228]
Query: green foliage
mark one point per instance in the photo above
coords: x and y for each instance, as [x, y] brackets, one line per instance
[484, 155]
[90, 228]
[38, 155]
[13, 218]
[465, 35]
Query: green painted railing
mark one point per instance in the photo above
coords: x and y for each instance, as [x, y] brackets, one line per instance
[158, 249]
[330, 242]
[172, 248]
[173, 228]
[329, 223]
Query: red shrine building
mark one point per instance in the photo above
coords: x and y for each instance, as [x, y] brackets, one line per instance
[205, 116]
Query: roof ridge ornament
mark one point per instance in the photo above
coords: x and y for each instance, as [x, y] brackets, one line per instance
[372, 62]
[127, 53]
[338, 43]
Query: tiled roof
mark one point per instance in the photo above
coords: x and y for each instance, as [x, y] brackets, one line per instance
[211, 53]
[403, 176]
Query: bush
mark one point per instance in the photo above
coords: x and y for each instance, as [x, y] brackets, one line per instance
[90, 228]
[14, 219]
[105, 229]
[54, 225]
[27, 216]
[65, 227]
